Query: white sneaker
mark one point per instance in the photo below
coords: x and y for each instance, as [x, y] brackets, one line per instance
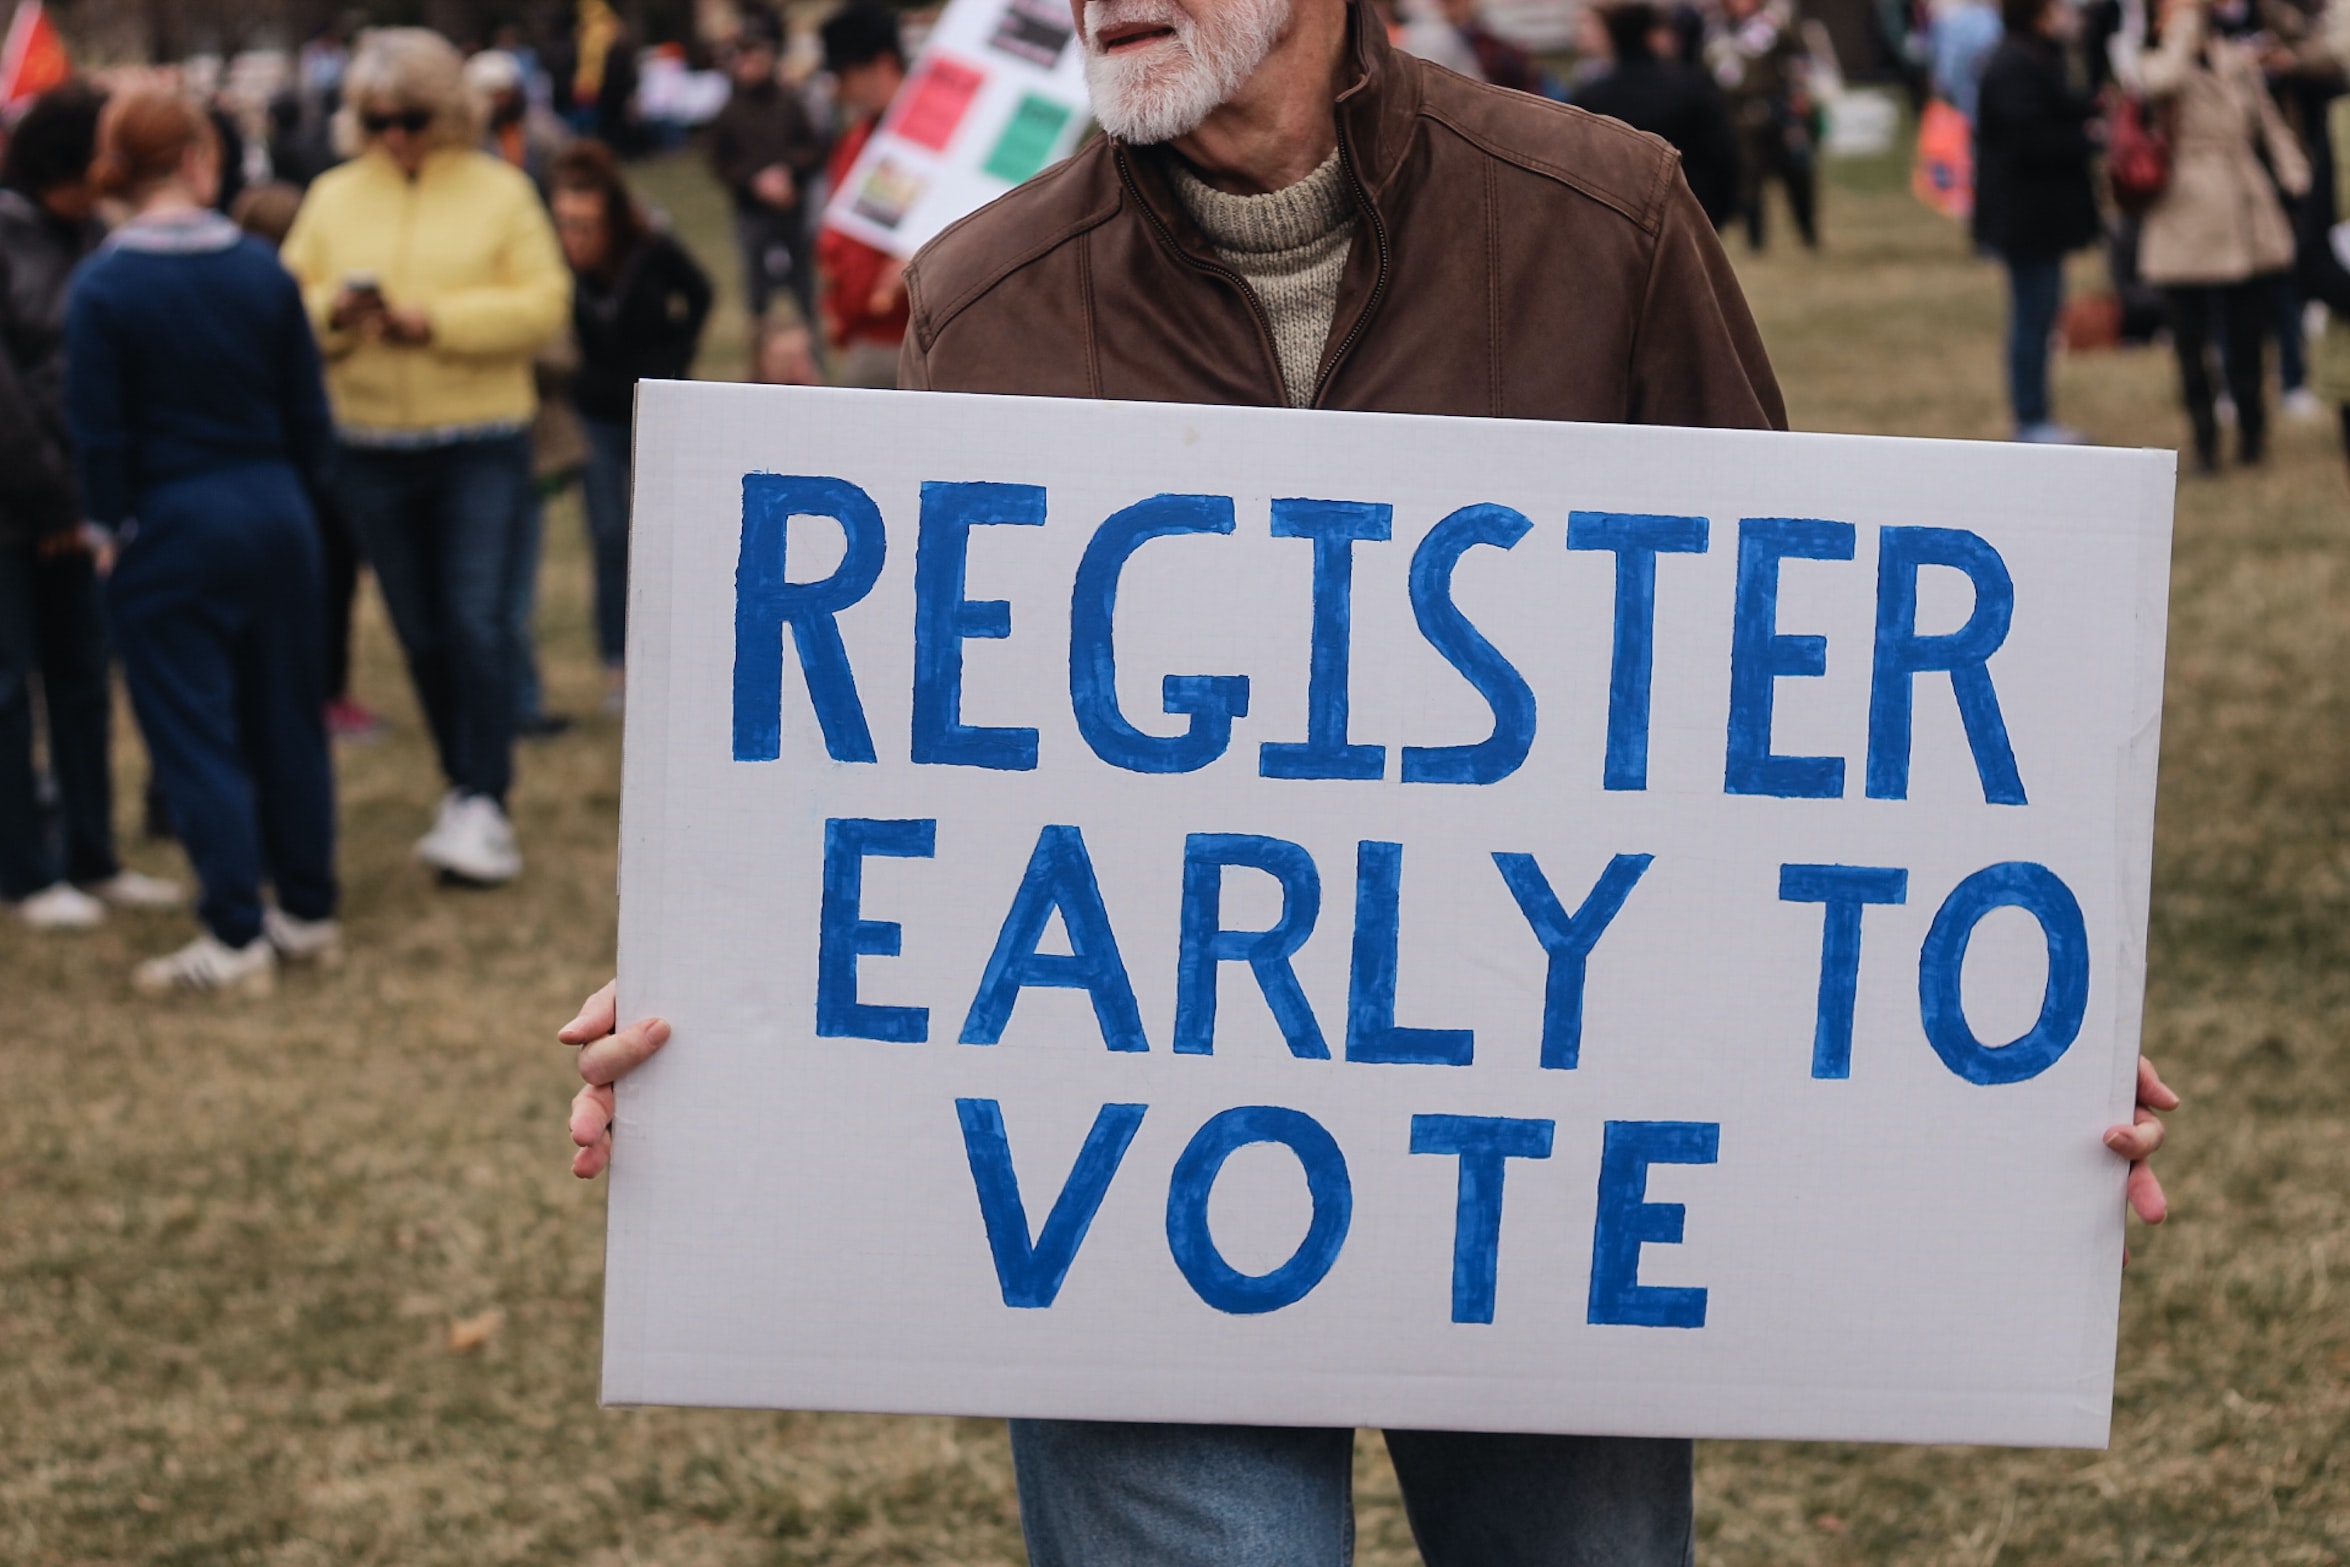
[2049, 433]
[444, 828]
[130, 890]
[62, 906]
[477, 845]
[208, 963]
[303, 941]
[2304, 406]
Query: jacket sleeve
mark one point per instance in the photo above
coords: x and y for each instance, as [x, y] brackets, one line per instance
[1697, 358]
[676, 278]
[2285, 155]
[2164, 71]
[36, 479]
[302, 386]
[806, 149]
[306, 256]
[913, 358]
[525, 307]
[94, 376]
[726, 155]
[2035, 122]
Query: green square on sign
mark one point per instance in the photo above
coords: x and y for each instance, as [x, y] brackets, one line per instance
[1028, 140]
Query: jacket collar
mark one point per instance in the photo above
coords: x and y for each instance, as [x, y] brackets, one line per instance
[1376, 114]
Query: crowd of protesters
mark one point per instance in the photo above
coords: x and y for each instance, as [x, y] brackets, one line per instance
[2216, 123]
[222, 399]
[203, 444]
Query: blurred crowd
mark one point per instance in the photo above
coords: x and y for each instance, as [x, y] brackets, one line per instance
[2195, 143]
[264, 330]
[237, 371]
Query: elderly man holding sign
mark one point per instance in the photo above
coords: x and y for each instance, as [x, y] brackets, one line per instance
[1284, 212]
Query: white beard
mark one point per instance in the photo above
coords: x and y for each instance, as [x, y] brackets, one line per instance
[1165, 88]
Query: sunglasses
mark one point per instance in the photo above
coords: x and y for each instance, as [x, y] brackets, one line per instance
[413, 121]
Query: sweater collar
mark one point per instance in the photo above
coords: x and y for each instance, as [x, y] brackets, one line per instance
[1375, 113]
[176, 234]
[1311, 210]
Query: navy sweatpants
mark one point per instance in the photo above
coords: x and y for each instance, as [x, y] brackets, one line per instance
[218, 617]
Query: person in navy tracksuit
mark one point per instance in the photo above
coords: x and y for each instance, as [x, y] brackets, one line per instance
[199, 417]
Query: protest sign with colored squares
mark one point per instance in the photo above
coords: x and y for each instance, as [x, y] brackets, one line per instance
[997, 95]
[1237, 914]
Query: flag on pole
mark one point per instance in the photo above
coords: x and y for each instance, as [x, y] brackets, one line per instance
[33, 59]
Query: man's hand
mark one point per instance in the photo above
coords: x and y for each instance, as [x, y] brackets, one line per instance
[606, 1057]
[773, 185]
[2136, 1142]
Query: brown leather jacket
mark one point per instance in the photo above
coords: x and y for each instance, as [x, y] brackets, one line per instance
[1516, 258]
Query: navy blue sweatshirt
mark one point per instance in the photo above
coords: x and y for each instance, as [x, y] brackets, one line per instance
[187, 352]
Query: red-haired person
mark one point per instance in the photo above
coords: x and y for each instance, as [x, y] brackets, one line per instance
[50, 625]
[200, 424]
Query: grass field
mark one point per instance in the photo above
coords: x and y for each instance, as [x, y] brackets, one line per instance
[306, 1281]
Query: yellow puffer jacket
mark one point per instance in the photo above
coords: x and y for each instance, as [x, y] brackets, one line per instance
[468, 242]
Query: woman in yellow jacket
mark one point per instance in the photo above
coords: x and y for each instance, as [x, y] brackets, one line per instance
[433, 277]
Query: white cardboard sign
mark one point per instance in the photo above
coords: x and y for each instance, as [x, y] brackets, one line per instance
[1192, 914]
[996, 95]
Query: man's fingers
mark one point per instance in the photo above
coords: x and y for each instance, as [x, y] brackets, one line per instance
[2152, 1090]
[610, 1059]
[2138, 1141]
[589, 1163]
[591, 1115]
[2146, 1199]
[597, 1014]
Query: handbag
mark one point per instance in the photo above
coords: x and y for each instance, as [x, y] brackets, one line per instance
[1943, 174]
[2138, 152]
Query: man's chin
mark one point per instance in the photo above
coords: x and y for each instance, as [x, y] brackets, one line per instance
[1143, 115]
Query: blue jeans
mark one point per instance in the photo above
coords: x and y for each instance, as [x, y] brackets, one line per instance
[522, 605]
[444, 528]
[50, 627]
[604, 491]
[1270, 1496]
[219, 614]
[2035, 292]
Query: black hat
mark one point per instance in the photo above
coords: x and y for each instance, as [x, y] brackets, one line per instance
[759, 30]
[858, 34]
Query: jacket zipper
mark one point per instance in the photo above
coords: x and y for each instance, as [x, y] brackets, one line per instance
[408, 193]
[1362, 320]
[1256, 308]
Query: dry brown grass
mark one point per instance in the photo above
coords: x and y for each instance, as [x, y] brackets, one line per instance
[242, 1247]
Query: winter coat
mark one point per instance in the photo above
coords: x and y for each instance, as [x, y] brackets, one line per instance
[2033, 196]
[469, 242]
[37, 257]
[759, 128]
[1513, 258]
[641, 323]
[191, 357]
[2220, 219]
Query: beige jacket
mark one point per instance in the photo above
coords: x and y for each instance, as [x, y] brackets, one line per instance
[2220, 220]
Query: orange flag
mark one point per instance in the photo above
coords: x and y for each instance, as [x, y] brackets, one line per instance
[33, 59]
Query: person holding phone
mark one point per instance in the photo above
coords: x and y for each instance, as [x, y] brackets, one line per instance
[433, 277]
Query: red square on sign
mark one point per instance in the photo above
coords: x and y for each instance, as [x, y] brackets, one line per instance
[936, 101]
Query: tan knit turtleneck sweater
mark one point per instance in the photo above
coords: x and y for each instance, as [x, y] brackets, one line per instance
[1290, 246]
